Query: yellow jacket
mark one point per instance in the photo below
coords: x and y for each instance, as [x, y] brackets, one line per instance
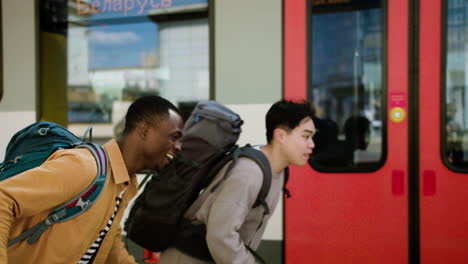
[27, 199]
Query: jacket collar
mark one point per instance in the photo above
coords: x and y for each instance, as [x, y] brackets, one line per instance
[119, 170]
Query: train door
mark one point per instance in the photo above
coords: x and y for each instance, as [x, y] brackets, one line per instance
[351, 59]
[443, 119]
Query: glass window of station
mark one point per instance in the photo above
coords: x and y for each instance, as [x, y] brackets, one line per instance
[455, 106]
[345, 83]
[119, 50]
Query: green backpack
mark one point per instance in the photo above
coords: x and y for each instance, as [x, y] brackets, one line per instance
[30, 147]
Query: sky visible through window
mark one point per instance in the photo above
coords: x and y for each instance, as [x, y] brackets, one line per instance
[118, 39]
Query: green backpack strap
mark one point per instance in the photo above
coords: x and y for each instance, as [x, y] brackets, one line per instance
[78, 204]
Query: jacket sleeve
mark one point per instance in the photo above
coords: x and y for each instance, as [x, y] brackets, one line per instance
[233, 201]
[118, 254]
[64, 175]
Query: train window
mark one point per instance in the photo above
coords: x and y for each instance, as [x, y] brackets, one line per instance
[455, 106]
[117, 51]
[346, 84]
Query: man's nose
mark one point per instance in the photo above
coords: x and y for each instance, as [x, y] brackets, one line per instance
[178, 146]
[311, 144]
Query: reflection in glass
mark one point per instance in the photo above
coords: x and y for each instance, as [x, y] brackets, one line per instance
[117, 54]
[345, 83]
[456, 98]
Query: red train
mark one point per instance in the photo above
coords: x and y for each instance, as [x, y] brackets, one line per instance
[395, 191]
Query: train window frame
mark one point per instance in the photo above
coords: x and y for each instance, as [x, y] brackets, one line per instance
[192, 11]
[371, 166]
[443, 91]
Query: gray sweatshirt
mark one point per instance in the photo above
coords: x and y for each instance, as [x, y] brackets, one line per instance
[230, 219]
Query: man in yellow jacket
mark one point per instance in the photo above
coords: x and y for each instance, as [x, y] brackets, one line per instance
[150, 139]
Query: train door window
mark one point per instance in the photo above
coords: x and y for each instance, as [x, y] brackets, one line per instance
[455, 102]
[345, 57]
[119, 50]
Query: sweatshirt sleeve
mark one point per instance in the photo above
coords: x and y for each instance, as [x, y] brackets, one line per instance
[233, 201]
[63, 176]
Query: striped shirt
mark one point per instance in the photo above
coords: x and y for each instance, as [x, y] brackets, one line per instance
[91, 253]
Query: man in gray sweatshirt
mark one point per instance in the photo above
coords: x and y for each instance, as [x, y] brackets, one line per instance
[233, 227]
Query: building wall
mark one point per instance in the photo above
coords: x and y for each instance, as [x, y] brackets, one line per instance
[248, 51]
[248, 78]
[18, 105]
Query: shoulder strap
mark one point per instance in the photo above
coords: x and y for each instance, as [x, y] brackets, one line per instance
[264, 165]
[89, 131]
[78, 204]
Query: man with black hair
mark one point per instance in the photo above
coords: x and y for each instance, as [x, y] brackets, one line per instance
[233, 228]
[151, 138]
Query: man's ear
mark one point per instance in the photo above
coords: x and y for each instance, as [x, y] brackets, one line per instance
[142, 129]
[279, 135]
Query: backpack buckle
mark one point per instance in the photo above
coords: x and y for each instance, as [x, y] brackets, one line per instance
[52, 219]
[43, 131]
[82, 204]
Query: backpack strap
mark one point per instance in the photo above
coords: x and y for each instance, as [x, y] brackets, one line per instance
[89, 131]
[78, 204]
[263, 163]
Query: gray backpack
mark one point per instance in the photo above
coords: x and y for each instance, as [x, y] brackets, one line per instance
[208, 143]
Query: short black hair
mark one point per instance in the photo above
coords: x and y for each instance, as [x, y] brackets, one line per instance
[287, 115]
[147, 109]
